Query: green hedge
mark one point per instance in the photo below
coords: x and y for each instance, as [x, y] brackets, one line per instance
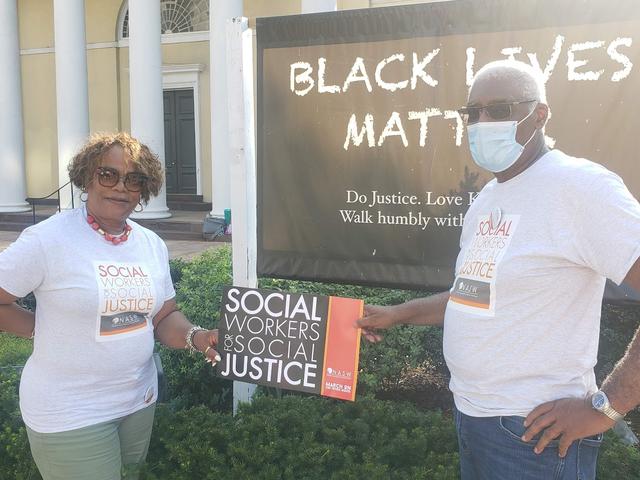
[292, 438]
[312, 438]
[14, 350]
[304, 438]
[199, 283]
[15, 457]
[298, 436]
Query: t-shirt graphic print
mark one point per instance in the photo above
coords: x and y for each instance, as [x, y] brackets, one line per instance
[474, 289]
[126, 299]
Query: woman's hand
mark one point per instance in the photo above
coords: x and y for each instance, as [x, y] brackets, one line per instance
[206, 341]
[172, 328]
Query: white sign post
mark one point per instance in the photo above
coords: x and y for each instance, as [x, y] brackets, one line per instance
[242, 172]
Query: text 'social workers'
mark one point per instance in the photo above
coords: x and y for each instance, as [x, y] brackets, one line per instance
[273, 337]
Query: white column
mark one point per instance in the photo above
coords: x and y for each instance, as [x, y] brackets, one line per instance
[13, 191]
[316, 6]
[219, 12]
[145, 78]
[72, 97]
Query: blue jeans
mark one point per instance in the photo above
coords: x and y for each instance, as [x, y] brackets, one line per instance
[491, 449]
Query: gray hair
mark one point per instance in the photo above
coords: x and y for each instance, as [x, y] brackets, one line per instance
[522, 74]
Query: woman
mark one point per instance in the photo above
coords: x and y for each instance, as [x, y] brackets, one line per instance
[103, 291]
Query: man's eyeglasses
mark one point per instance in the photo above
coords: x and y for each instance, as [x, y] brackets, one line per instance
[495, 111]
[133, 181]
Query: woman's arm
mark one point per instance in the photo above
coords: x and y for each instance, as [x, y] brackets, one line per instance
[171, 328]
[13, 318]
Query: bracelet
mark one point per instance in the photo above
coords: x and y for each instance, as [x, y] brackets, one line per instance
[189, 338]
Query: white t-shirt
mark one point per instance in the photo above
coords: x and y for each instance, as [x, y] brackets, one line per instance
[523, 320]
[92, 354]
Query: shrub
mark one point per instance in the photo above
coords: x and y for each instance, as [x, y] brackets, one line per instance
[199, 290]
[191, 381]
[617, 461]
[176, 266]
[15, 457]
[14, 350]
[311, 438]
[372, 295]
[304, 438]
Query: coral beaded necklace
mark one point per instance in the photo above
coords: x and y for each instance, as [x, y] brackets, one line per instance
[114, 239]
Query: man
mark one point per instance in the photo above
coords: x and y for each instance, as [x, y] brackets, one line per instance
[521, 334]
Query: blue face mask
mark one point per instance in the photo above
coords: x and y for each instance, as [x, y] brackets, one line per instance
[493, 145]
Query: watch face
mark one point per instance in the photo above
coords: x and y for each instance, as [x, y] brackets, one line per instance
[598, 401]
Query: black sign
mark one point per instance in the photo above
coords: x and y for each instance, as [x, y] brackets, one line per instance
[364, 172]
[295, 341]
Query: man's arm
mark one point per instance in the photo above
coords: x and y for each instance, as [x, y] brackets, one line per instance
[420, 311]
[570, 418]
[14, 319]
[622, 386]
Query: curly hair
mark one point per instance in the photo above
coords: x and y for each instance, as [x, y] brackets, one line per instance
[84, 164]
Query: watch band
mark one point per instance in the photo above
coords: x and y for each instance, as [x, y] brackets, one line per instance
[612, 413]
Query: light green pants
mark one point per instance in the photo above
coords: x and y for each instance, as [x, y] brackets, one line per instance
[112, 450]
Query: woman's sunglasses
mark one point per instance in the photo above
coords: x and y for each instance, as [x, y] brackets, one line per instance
[109, 177]
[495, 111]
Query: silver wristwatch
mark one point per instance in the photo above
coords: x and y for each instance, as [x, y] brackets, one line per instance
[600, 402]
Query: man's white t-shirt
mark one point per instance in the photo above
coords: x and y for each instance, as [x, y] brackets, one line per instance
[523, 320]
[92, 355]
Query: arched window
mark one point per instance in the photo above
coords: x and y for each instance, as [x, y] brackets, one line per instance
[176, 16]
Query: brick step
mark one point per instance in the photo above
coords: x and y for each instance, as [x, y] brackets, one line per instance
[174, 235]
[51, 202]
[169, 225]
[184, 197]
[24, 219]
[189, 206]
[196, 236]
[13, 226]
[169, 229]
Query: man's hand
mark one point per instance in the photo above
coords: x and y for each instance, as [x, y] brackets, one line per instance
[375, 318]
[568, 419]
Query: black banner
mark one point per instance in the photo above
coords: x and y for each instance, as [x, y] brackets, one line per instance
[364, 172]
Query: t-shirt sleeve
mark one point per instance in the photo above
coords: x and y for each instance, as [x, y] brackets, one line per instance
[22, 265]
[607, 221]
